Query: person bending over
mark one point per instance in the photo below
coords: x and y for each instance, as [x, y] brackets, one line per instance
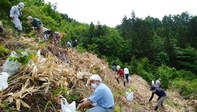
[102, 97]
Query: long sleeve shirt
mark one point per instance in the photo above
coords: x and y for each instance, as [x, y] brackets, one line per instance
[36, 22]
[103, 96]
[120, 72]
[15, 12]
[159, 92]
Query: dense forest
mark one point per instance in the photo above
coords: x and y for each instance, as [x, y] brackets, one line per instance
[150, 47]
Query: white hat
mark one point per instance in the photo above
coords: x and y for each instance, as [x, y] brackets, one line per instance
[29, 17]
[118, 67]
[95, 77]
[21, 4]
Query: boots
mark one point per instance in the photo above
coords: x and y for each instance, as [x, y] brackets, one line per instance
[18, 34]
[156, 107]
[162, 106]
[124, 83]
[117, 80]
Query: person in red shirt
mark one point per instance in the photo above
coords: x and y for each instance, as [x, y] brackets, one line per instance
[120, 74]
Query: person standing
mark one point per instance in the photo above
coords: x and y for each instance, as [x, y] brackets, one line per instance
[38, 26]
[16, 17]
[152, 83]
[102, 97]
[74, 43]
[120, 74]
[68, 44]
[158, 83]
[114, 66]
[161, 96]
[126, 74]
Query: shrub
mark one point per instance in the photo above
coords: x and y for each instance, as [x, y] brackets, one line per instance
[3, 51]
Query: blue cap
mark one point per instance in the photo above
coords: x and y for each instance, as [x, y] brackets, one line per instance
[152, 88]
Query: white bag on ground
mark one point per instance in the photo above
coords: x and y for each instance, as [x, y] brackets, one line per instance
[11, 67]
[67, 107]
[129, 95]
[129, 78]
[3, 80]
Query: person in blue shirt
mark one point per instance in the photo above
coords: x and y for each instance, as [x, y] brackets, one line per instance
[102, 98]
[161, 96]
[74, 43]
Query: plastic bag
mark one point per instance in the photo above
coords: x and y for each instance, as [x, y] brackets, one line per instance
[129, 78]
[3, 80]
[11, 67]
[67, 107]
[39, 54]
[129, 95]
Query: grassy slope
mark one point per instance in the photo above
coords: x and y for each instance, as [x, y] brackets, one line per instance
[60, 68]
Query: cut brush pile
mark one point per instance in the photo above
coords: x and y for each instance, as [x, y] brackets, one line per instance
[58, 72]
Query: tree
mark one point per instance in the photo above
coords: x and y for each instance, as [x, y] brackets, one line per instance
[187, 59]
[5, 6]
[100, 30]
[142, 40]
[91, 33]
[112, 44]
[193, 32]
[155, 23]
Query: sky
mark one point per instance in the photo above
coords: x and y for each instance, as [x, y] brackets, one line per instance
[111, 12]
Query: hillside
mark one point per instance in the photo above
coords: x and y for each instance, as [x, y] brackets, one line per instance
[36, 87]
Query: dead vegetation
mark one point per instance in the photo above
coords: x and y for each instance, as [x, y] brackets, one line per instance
[57, 71]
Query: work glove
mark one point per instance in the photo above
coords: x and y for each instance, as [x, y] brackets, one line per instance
[20, 18]
[32, 28]
[11, 18]
[94, 104]
[85, 99]
[78, 107]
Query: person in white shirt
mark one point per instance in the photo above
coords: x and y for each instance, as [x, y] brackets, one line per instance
[47, 33]
[68, 44]
[16, 17]
[158, 83]
[126, 74]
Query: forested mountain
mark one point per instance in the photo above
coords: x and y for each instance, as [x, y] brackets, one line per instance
[150, 47]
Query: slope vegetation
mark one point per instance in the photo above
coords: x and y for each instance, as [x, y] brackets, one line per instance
[55, 71]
